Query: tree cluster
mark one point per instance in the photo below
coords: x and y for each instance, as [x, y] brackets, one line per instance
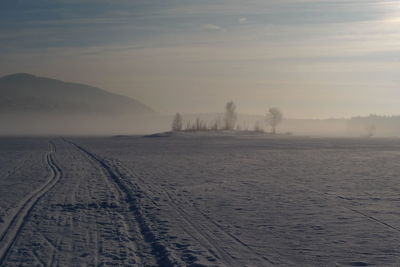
[273, 118]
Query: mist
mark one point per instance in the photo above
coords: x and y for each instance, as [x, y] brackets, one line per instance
[218, 133]
[88, 125]
[313, 59]
[67, 124]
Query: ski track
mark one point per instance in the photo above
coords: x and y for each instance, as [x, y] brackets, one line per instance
[111, 233]
[12, 229]
[206, 232]
[220, 239]
[107, 214]
[159, 252]
[115, 192]
[203, 230]
[344, 205]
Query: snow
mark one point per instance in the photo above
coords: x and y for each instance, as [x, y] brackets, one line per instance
[199, 200]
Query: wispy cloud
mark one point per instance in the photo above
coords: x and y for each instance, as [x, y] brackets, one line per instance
[212, 27]
[216, 46]
[243, 20]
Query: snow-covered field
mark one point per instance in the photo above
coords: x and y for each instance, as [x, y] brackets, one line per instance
[199, 201]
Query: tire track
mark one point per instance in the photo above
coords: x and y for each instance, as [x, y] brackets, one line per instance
[11, 231]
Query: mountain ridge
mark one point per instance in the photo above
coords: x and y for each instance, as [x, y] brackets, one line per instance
[27, 93]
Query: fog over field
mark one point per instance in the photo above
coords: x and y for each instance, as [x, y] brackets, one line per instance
[212, 133]
[32, 105]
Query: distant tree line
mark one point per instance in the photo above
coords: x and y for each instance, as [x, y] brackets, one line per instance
[374, 125]
[229, 123]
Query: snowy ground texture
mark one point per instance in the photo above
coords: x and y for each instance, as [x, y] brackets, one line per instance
[199, 201]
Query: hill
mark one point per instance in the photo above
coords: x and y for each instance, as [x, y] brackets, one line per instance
[25, 93]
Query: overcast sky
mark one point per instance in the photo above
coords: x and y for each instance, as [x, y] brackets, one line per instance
[311, 58]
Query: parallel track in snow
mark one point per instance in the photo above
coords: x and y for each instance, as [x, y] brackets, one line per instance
[158, 251]
[210, 235]
[19, 218]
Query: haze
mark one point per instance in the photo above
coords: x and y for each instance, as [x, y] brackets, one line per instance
[313, 59]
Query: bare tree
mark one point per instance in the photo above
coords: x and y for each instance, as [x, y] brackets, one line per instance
[230, 116]
[198, 124]
[258, 128]
[273, 118]
[370, 130]
[214, 126]
[246, 126]
[177, 124]
[188, 126]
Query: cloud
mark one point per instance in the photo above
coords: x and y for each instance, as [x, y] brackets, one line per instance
[310, 44]
[212, 27]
